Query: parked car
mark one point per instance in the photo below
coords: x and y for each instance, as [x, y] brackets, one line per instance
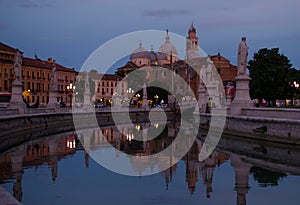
[62, 104]
[98, 105]
[78, 104]
[163, 105]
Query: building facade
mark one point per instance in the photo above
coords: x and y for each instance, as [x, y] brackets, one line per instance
[106, 87]
[36, 77]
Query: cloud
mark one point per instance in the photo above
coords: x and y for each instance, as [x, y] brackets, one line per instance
[26, 4]
[162, 13]
[55, 38]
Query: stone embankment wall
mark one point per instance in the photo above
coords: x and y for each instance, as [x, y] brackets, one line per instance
[275, 125]
[16, 129]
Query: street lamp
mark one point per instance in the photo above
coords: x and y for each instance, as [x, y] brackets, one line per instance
[129, 93]
[296, 85]
[156, 98]
[70, 89]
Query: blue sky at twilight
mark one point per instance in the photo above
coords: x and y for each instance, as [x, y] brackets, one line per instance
[70, 30]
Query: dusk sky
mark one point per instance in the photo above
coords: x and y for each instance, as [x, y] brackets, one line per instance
[69, 31]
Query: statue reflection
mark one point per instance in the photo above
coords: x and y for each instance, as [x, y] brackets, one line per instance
[35, 153]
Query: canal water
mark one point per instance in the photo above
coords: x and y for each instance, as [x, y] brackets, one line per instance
[58, 170]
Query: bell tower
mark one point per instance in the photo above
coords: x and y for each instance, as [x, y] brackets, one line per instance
[192, 50]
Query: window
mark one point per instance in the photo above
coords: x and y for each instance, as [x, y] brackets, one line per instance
[28, 74]
[38, 87]
[103, 91]
[111, 84]
[103, 83]
[107, 84]
[32, 74]
[98, 90]
[48, 76]
[32, 88]
[5, 85]
[28, 85]
[111, 91]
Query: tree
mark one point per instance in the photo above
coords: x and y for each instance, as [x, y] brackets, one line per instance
[80, 86]
[270, 72]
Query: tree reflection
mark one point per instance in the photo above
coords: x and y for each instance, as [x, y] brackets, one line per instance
[266, 177]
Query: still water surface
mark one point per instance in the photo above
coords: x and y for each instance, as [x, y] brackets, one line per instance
[57, 170]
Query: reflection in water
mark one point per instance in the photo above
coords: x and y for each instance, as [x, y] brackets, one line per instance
[51, 150]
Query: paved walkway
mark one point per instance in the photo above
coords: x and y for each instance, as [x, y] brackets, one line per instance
[6, 198]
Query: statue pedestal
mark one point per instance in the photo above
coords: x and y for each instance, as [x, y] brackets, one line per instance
[202, 100]
[145, 103]
[53, 100]
[87, 105]
[242, 97]
[16, 101]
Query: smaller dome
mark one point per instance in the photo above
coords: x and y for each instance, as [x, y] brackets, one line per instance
[140, 52]
[192, 28]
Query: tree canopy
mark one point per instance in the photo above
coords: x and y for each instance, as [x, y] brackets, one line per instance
[80, 86]
[271, 74]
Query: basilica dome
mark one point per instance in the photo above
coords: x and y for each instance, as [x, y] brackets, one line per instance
[166, 49]
[140, 56]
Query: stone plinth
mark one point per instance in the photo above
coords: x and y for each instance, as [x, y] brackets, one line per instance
[242, 97]
[53, 100]
[202, 100]
[16, 101]
[87, 105]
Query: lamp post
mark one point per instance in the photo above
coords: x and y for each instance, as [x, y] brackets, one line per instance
[129, 93]
[296, 85]
[70, 89]
[156, 98]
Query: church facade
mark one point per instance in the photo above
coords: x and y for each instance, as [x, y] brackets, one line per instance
[154, 64]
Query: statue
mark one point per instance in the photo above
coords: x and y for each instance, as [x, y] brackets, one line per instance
[54, 77]
[87, 83]
[242, 57]
[228, 87]
[17, 66]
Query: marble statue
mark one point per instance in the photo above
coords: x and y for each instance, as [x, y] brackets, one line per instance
[87, 83]
[242, 57]
[18, 65]
[54, 78]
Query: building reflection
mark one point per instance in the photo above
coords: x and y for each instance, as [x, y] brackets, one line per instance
[51, 150]
[34, 154]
